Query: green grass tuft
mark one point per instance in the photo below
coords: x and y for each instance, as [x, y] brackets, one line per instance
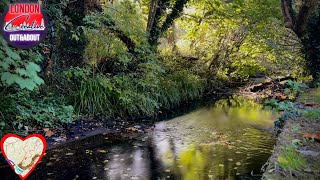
[290, 159]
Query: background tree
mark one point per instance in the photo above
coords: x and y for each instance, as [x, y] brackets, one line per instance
[303, 18]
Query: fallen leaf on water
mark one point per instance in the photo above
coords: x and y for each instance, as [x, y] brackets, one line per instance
[102, 151]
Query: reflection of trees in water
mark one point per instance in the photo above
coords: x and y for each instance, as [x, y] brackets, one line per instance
[156, 166]
[212, 160]
[235, 101]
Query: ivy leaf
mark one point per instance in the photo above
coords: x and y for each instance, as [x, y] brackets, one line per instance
[26, 83]
[32, 68]
[12, 54]
[9, 78]
[21, 72]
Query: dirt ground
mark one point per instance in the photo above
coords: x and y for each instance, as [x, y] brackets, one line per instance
[308, 149]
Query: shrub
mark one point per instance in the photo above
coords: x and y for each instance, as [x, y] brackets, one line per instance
[134, 94]
[23, 111]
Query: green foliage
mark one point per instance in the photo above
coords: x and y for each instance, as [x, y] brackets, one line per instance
[15, 70]
[23, 111]
[133, 94]
[280, 105]
[290, 159]
[239, 39]
[294, 88]
[93, 96]
[104, 44]
[313, 114]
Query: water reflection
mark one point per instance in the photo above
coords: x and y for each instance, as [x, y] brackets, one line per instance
[224, 141]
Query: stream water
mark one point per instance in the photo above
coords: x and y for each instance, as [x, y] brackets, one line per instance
[226, 140]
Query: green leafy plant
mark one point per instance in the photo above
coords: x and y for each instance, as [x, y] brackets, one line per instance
[290, 159]
[280, 105]
[294, 88]
[15, 70]
[313, 114]
[23, 111]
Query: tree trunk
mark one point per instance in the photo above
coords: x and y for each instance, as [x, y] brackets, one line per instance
[152, 12]
[306, 25]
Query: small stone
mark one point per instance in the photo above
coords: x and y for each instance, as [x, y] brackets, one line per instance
[271, 170]
[210, 175]
[309, 153]
[308, 170]
[238, 163]
[221, 165]
[168, 170]
[230, 159]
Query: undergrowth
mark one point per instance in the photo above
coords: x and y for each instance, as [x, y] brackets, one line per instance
[313, 114]
[131, 95]
[290, 159]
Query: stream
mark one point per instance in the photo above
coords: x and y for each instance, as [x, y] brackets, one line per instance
[229, 139]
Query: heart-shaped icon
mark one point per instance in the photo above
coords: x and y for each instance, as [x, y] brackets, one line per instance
[23, 154]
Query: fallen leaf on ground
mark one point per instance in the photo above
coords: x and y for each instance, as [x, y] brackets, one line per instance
[315, 136]
[48, 132]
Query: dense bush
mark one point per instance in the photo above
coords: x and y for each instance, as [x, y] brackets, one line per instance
[20, 108]
[24, 111]
[132, 95]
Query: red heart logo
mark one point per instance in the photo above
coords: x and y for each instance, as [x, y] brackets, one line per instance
[23, 154]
